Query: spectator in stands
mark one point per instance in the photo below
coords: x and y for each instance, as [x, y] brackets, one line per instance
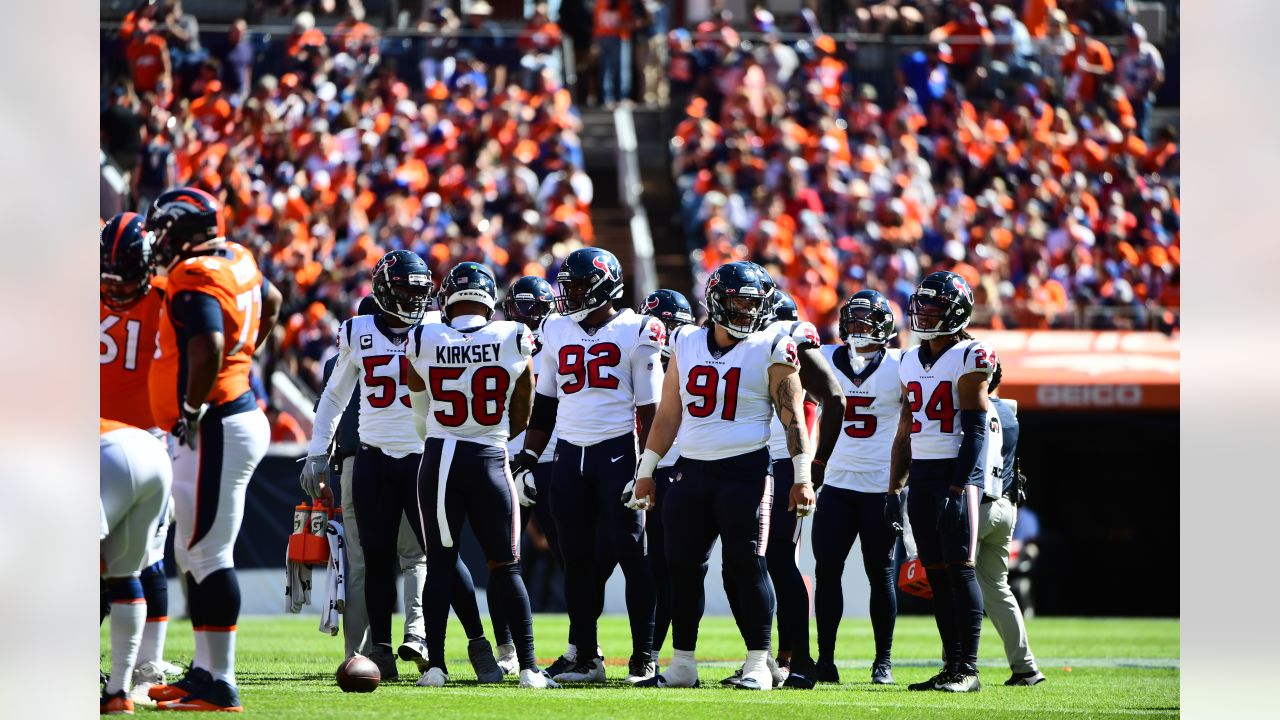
[284, 426]
[237, 62]
[927, 73]
[1035, 16]
[539, 41]
[182, 32]
[149, 63]
[968, 35]
[611, 33]
[1085, 67]
[1058, 42]
[1140, 71]
[651, 52]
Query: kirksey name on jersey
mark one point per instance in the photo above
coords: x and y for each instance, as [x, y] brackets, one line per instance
[372, 356]
[873, 401]
[725, 399]
[805, 336]
[934, 396]
[471, 375]
[600, 378]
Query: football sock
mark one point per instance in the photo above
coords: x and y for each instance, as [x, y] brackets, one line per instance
[944, 614]
[464, 601]
[828, 605]
[156, 590]
[967, 596]
[128, 615]
[221, 642]
[514, 597]
[571, 652]
[640, 604]
[221, 599]
[195, 608]
[884, 603]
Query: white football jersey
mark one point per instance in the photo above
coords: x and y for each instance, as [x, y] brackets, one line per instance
[873, 402]
[673, 453]
[935, 398]
[806, 336]
[993, 458]
[600, 378]
[516, 444]
[471, 376]
[725, 398]
[373, 358]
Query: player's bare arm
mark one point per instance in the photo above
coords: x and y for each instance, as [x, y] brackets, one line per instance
[664, 426]
[271, 302]
[900, 455]
[818, 379]
[788, 400]
[522, 401]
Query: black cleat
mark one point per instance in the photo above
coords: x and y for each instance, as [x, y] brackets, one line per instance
[825, 672]
[882, 673]
[561, 665]
[641, 667]
[1035, 677]
[733, 680]
[382, 656]
[798, 681]
[934, 683]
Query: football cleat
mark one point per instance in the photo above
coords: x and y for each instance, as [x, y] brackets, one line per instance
[778, 672]
[825, 671]
[507, 659]
[561, 665]
[799, 681]
[480, 652]
[195, 679]
[433, 677]
[640, 668]
[679, 674]
[386, 662]
[963, 681]
[537, 680]
[586, 671]
[733, 680]
[115, 704]
[760, 679]
[217, 696]
[882, 673]
[1035, 677]
[933, 683]
[412, 650]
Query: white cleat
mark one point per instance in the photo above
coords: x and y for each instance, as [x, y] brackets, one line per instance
[961, 682]
[590, 671]
[537, 680]
[756, 673]
[433, 677]
[415, 652]
[507, 659]
[679, 674]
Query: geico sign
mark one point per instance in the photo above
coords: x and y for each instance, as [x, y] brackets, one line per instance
[1089, 395]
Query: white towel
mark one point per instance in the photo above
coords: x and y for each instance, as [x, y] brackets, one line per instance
[335, 586]
[297, 585]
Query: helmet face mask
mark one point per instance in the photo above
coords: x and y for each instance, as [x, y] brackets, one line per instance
[866, 320]
[589, 279]
[120, 294]
[128, 259]
[670, 307]
[529, 300]
[941, 305]
[402, 286]
[740, 297]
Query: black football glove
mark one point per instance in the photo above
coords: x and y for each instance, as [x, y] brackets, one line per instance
[187, 429]
[893, 513]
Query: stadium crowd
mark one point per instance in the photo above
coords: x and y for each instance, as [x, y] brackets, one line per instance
[1016, 151]
[328, 154]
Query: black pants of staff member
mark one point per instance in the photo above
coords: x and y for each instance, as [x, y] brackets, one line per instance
[598, 533]
[461, 481]
[844, 516]
[730, 499]
[948, 555]
[385, 489]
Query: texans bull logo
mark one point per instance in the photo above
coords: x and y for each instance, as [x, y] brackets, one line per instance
[650, 304]
[963, 287]
[603, 265]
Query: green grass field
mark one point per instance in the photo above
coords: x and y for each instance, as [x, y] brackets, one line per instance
[1095, 668]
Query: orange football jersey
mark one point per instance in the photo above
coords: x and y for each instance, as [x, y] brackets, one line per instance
[231, 277]
[106, 425]
[125, 347]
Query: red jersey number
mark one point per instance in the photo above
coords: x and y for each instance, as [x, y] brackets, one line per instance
[704, 383]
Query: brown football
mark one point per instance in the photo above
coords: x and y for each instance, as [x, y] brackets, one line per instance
[358, 674]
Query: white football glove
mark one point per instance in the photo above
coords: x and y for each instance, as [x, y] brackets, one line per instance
[315, 473]
[522, 474]
[629, 497]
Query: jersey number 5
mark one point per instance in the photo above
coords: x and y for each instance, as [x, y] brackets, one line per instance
[385, 389]
[585, 372]
[489, 388]
[941, 406]
[860, 425]
[703, 383]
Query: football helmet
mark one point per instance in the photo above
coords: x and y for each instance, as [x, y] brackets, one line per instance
[740, 298]
[125, 271]
[469, 281]
[184, 220]
[669, 306]
[402, 286]
[784, 308]
[529, 300]
[871, 318]
[589, 279]
[941, 305]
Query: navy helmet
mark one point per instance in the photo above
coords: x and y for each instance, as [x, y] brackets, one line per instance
[184, 220]
[402, 285]
[589, 279]
[740, 298]
[784, 307]
[469, 281]
[866, 318]
[941, 305]
[669, 306]
[125, 271]
[529, 300]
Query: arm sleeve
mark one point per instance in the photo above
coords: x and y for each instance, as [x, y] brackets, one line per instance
[546, 373]
[543, 416]
[969, 466]
[646, 374]
[337, 391]
[197, 312]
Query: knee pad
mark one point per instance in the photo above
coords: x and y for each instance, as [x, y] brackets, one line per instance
[124, 590]
[220, 596]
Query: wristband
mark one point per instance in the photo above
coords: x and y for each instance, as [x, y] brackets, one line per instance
[800, 465]
[648, 463]
[188, 409]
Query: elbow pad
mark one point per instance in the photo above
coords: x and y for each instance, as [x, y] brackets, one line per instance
[968, 466]
[544, 413]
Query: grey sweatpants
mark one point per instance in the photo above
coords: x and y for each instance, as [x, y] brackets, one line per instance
[995, 533]
[413, 565]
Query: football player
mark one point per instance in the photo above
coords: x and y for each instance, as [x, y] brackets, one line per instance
[725, 380]
[383, 489]
[530, 300]
[676, 314]
[134, 493]
[129, 320]
[851, 504]
[792, 596]
[997, 517]
[939, 449]
[218, 308]
[472, 386]
[599, 379]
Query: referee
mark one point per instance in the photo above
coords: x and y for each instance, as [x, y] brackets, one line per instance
[997, 515]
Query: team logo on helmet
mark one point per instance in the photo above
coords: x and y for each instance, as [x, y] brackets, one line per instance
[603, 265]
[650, 304]
[963, 287]
[714, 281]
